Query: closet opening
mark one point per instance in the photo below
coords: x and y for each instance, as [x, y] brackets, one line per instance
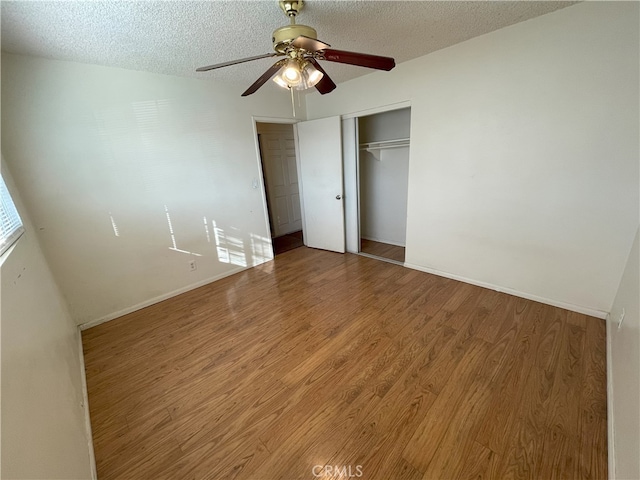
[383, 177]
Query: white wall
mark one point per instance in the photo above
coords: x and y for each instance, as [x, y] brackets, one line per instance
[391, 125]
[524, 153]
[90, 144]
[624, 370]
[384, 180]
[43, 423]
[383, 196]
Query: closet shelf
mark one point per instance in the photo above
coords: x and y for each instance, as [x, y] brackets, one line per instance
[374, 148]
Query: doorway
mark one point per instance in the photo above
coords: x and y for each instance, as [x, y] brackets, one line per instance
[383, 177]
[338, 187]
[277, 149]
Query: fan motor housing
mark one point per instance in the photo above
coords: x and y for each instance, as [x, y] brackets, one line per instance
[283, 36]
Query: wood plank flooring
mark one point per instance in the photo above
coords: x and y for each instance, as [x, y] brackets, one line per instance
[287, 242]
[328, 364]
[384, 250]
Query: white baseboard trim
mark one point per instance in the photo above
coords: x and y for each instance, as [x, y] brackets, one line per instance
[611, 446]
[85, 406]
[160, 298]
[554, 303]
[380, 240]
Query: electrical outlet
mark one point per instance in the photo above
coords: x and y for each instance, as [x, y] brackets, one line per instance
[192, 265]
[621, 319]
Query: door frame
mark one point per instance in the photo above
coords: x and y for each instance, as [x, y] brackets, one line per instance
[352, 189]
[263, 189]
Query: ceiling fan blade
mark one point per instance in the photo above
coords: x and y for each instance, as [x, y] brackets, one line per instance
[263, 79]
[309, 44]
[360, 59]
[234, 62]
[325, 85]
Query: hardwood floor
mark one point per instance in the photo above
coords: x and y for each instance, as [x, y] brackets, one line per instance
[347, 365]
[384, 250]
[287, 242]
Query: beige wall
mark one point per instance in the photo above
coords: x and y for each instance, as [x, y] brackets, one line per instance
[95, 150]
[523, 170]
[43, 423]
[624, 371]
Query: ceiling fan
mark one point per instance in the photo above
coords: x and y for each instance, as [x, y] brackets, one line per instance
[301, 48]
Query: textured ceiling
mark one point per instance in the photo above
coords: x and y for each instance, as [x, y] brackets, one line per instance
[176, 37]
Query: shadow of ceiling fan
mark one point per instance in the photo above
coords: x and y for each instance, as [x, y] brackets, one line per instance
[301, 49]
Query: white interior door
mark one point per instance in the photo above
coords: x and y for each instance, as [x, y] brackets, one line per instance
[281, 177]
[320, 153]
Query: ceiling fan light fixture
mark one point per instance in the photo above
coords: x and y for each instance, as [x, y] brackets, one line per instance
[291, 73]
[298, 74]
[301, 48]
[312, 75]
[280, 81]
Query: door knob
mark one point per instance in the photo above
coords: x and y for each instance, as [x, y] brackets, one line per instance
[338, 197]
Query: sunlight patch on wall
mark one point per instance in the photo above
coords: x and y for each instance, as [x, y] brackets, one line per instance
[230, 249]
[151, 119]
[261, 249]
[173, 237]
[206, 229]
[114, 226]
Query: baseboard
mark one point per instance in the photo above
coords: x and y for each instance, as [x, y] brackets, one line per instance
[380, 240]
[161, 298]
[85, 405]
[554, 303]
[611, 450]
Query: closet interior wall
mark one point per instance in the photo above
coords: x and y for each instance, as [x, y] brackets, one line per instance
[383, 176]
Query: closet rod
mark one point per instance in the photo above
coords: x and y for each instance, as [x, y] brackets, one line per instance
[374, 148]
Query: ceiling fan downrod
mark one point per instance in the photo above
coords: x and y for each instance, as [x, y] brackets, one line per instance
[291, 8]
[283, 36]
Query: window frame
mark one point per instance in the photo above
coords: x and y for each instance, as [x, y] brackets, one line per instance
[10, 219]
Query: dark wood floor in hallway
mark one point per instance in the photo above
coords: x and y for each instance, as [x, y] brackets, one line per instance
[329, 364]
